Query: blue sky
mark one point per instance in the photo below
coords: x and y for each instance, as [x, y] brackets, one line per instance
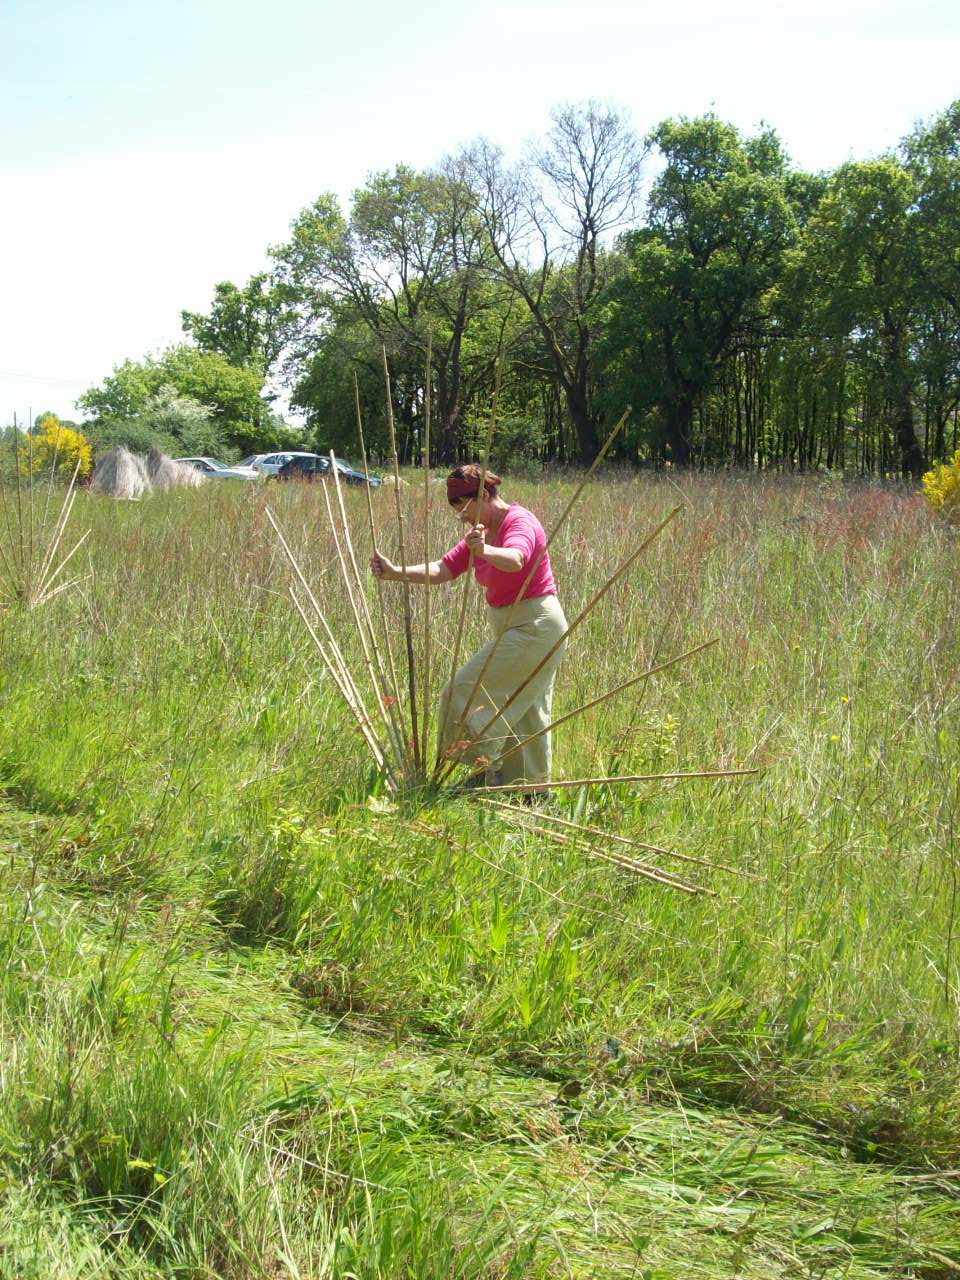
[148, 150]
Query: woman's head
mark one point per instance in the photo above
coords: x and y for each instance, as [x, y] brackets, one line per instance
[464, 482]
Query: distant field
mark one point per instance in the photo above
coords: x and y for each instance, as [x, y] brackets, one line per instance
[255, 1026]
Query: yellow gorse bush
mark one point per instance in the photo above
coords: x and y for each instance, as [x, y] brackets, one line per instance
[941, 486]
[58, 447]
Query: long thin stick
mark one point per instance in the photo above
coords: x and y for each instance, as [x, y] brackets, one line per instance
[468, 574]
[428, 594]
[362, 721]
[371, 655]
[346, 682]
[66, 507]
[346, 677]
[603, 697]
[622, 860]
[581, 617]
[624, 840]
[407, 620]
[391, 665]
[617, 778]
[607, 445]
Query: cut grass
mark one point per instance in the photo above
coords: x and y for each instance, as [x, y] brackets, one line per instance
[170, 1107]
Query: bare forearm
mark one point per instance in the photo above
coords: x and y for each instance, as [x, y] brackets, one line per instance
[424, 574]
[505, 559]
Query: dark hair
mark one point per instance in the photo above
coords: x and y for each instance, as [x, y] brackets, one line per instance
[471, 472]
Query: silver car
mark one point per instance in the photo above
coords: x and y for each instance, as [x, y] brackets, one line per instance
[215, 470]
[269, 464]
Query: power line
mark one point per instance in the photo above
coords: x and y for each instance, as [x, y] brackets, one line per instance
[33, 377]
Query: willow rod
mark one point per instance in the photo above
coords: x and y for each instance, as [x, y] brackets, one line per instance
[407, 619]
[389, 725]
[46, 579]
[605, 449]
[458, 635]
[428, 594]
[334, 647]
[366, 729]
[603, 697]
[584, 613]
[622, 860]
[624, 840]
[379, 679]
[391, 665]
[618, 778]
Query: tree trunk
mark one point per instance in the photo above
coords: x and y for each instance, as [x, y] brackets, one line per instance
[583, 425]
[679, 430]
[912, 461]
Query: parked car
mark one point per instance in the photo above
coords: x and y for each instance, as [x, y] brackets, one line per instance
[269, 464]
[215, 470]
[313, 466]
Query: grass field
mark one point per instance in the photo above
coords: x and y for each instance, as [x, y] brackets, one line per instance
[256, 1023]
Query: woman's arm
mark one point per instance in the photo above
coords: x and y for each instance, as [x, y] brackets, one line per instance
[506, 559]
[434, 572]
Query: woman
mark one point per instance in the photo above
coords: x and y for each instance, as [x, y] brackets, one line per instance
[508, 542]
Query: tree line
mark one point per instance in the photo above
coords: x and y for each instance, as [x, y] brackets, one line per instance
[751, 314]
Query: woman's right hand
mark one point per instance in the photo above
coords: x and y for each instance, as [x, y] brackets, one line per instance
[383, 569]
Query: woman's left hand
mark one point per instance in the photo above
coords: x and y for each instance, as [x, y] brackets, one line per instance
[475, 540]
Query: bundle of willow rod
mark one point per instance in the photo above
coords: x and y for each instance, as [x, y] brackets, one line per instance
[394, 728]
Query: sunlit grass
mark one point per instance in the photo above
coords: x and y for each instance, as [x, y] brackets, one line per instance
[340, 1039]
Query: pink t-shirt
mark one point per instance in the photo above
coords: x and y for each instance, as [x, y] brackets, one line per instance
[520, 530]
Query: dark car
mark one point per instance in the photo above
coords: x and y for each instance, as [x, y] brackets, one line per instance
[313, 466]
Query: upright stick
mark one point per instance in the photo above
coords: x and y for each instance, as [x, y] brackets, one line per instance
[363, 723]
[428, 595]
[376, 675]
[484, 466]
[407, 620]
[394, 683]
[347, 679]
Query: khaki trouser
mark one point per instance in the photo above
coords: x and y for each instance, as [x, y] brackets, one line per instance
[528, 632]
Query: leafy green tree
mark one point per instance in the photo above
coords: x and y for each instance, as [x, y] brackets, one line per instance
[858, 266]
[547, 220]
[231, 394]
[185, 420]
[932, 156]
[248, 326]
[719, 220]
[409, 263]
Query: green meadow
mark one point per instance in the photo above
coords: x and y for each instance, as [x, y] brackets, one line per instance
[261, 1018]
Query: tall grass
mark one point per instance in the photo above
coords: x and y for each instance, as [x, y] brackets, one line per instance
[257, 1021]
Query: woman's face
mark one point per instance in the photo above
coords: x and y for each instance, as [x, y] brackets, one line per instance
[465, 509]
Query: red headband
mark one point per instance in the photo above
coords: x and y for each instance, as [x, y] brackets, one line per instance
[460, 487]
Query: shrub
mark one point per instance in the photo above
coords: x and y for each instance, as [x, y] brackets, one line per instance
[57, 448]
[941, 486]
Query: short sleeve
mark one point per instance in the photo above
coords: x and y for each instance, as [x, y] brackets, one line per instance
[521, 536]
[457, 559]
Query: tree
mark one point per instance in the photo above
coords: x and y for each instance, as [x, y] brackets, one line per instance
[547, 220]
[859, 255]
[247, 326]
[232, 394]
[55, 448]
[932, 157]
[409, 263]
[719, 220]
